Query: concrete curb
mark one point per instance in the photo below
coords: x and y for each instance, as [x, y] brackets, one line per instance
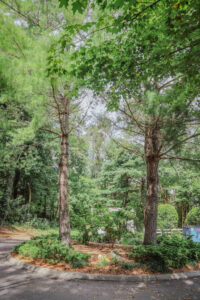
[99, 277]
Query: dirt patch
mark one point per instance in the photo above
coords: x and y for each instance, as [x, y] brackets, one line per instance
[16, 233]
[95, 262]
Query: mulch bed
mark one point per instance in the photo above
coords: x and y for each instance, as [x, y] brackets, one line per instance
[97, 251]
[94, 267]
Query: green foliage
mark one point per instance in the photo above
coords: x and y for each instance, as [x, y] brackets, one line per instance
[40, 223]
[193, 217]
[170, 252]
[167, 216]
[115, 260]
[120, 186]
[104, 262]
[129, 265]
[142, 46]
[50, 248]
[130, 238]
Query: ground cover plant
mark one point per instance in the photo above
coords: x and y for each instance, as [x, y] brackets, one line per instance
[171, 252]
[49, 247]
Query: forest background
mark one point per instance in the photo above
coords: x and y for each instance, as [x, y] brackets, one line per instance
[49, 53]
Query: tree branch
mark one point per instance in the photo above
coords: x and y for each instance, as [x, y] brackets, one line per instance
[129, 20]
[58, 107]
[127, 148]
[51, 131]
[81, 121]
[166, 84]
[133, 117]
[181, 158]
[19, 13]
[171, 148]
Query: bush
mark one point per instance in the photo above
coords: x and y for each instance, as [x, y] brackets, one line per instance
[167, 216]
[128, 265]
[102, 219]
[50, 248]
[40, 223]
[152, 257]
[193, 217]
[130, 238]
[172, 251]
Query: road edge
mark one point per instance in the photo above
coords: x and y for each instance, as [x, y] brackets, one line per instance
[99, 277]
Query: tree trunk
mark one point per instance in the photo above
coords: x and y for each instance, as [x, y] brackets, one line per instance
[29, 193]
[182, 213]
[63, 193]
[152, 161]
[142, 192]
[29, 197]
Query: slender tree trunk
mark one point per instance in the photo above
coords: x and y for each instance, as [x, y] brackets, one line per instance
[64, 217]
[142, 192]
[126, 194]
[152, 162]
[15, 184]
[45, 207]
[182, 213]
[29, 197]
[63, 193]
[29, 193]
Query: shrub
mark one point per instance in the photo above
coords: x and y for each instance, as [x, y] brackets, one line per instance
[50, 248]
[172, 251]
[193, 217]
[167, 216]
[130, 238]
[113, 223]
[128, 265]
[152, 257]
[40, 223]
[78, 259]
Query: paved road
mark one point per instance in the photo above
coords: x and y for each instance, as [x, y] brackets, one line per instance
[18, 284]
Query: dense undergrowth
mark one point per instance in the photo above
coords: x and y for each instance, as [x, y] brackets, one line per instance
[173, 251]
[50, 248]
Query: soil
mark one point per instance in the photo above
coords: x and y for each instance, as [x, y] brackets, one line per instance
[98, 252]
[16, 233]
[95, 261]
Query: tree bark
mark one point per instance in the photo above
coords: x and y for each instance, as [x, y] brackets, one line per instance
[182, 213]
[142, 192]
[64, 218]
[29, 193]
[29, 196]
[152, 162]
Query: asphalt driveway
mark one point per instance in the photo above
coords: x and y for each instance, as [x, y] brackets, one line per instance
[19, 284]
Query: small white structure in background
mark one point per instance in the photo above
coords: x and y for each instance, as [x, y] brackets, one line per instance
[130, 226]
[102, 232]
[114, 209]
[130, 223]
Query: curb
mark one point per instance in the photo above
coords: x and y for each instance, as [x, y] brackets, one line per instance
[55, 274]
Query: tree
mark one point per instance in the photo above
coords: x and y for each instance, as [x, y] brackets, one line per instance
[39, 75]
[167, 216]
[144, 68]
[27, 168]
